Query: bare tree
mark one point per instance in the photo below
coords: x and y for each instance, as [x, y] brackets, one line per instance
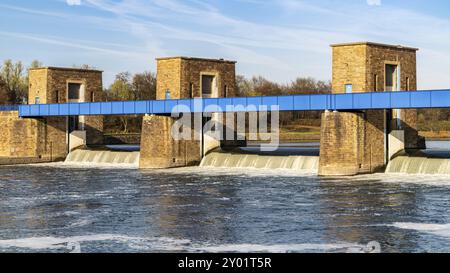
[144, 86]
[16, 82]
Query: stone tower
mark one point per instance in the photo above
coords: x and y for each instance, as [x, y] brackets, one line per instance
[184, 78]
[65, 85]
[364, 141]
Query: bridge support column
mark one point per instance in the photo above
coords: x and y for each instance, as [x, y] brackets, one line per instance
[159, 150]
[352, 143]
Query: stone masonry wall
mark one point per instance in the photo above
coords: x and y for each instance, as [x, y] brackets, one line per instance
[378, 57]
[340, 147]
[19, 136]
[178, 74]
[37, 139]
[223, 70]
[350, 143]
[51, 85]
[359, 65]
[160, 150]
[37, 85]
[373, 153]
[168, 77]
[349, 67]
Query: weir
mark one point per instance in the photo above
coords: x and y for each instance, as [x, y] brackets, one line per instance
[369, 117]
[103, 158]
[230, 160]
[419, 165]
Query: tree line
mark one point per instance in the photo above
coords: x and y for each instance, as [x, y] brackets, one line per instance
[14, 80]
[128, 87]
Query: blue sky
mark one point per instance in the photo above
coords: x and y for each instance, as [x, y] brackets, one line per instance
[278, 39]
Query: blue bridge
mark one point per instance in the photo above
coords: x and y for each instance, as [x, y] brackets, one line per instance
[353, 101]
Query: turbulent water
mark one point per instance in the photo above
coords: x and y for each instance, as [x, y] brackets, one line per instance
[228, 205]
[55, 208]
[104, 158]
[434, 161]
[419, 165]
[226, 160]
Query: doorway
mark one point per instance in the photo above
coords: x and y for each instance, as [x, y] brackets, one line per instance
[209, 86]
[391, 83]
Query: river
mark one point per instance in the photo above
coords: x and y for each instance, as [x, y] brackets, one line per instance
[55, 208]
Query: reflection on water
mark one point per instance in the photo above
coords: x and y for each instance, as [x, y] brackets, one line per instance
[45, 208]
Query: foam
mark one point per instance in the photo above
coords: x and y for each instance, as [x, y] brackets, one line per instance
[43, 243]
[209, 172]
[284, 248]
[171, 244]
[436, 229]
[429, 180]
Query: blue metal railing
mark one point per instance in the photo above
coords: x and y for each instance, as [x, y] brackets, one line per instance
[354, 101]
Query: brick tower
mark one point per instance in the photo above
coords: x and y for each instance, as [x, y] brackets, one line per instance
[364, 141]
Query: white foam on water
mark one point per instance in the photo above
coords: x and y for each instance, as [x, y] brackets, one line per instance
[171, 244]
[81, 165]
[428, 179]
[98, 165]
[436, 229]
[284, 248]
[48, 243]
[209, 172]
[81, 222]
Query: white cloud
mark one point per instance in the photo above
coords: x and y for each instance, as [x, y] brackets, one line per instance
[278, 49]
[374, 2]
[73, 2]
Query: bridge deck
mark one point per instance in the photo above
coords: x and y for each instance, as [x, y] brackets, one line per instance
[354, 101]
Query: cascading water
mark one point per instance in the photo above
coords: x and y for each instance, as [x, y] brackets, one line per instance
[103, 158]
[419, 165]
[229, 160]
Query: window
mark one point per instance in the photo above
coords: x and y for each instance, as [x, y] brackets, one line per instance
[348, 88]
[407, 84]
[57, 97]
[92, 97]
[74, 91]
[37, 100]
[225, 91]
[168, 94]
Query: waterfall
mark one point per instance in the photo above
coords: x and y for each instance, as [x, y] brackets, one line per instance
[419, 165]
[103, 158]
[229, 160]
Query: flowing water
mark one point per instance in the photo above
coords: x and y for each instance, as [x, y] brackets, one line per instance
[58, 207]
[224, 160]
[104, 158]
